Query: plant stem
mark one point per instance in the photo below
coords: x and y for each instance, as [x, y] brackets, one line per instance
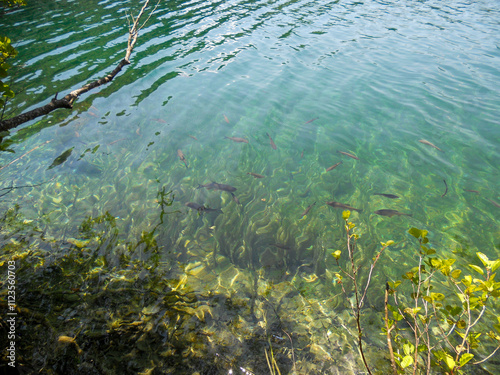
[389, 330]
[350, 248]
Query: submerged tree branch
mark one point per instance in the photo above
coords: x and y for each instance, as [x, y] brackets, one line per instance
[69, 99]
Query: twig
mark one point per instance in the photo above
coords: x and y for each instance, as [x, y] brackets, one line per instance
[150, 14]
[357, 311]
[69, 99]
[293, 356]
[488, 357]
[370, 273]
[24, 186]
[389, 330]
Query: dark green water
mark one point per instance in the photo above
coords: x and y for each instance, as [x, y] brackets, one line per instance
[376, 77]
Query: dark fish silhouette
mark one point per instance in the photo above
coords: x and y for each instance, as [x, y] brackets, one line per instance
[237, 139]
[311, 120]
[201, 208]
[216, 186]
[342, 205]
[390, 213]
[235, 198]
[391, 196]
[446, 188]
[272, 142]
[61, 158]
[255, 175]
[182, 157]
[493, 202]
[333, 166]
[430, 144]
[472, 191]
[348, 154]
[307, 210]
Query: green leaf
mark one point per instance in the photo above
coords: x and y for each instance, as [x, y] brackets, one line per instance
[422, 348]
[467, 280]
[415, 232]
[408, 349]
[466, 357]
[397, 316]
[477, 269]
[450, 362]
[336, 254]
[483, 258]
[407, 361]
[495, 265]
[436, 262]
[437, 296]
[346, 215]
[456, 274]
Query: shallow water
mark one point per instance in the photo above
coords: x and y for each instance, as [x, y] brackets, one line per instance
[367, 78]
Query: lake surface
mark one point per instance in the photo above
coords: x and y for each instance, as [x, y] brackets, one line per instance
[109, 252]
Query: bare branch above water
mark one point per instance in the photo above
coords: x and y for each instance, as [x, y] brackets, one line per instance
[69, 99]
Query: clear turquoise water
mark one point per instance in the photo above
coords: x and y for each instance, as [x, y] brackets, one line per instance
[377, 77]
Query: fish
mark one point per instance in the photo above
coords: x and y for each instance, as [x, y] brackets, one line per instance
[392, 196]
[202, 208]
[307, 210]
[390, 213]
[192, 136]
[311, 120]
[493, 202]
[235, 198]
[446, 188]
[341, 205]
[348, 154]
[226, 119]
[182, 157]
[472, 191]
[333, 166]
[302, 154]
[216, 186]
[272, 142]
[118, 140]
[430, 144]
[161, 121]
[237, 139]
[256, 175]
